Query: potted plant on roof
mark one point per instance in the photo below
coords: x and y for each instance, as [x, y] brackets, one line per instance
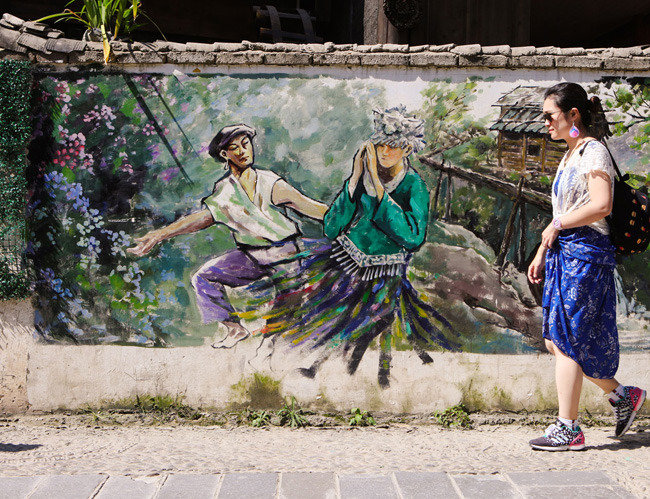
[105, 20]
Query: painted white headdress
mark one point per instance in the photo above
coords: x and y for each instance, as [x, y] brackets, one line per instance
[395, 128]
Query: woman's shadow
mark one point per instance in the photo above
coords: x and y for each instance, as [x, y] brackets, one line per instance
[18, 447]
[636, 440]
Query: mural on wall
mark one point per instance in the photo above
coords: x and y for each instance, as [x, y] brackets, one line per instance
[328, 214]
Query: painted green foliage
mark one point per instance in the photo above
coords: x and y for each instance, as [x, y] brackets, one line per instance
[110, 174]
[110, 177]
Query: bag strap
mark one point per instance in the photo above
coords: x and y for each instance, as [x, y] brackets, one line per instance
[618, 172]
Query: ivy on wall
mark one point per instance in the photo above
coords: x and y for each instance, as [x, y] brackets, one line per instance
[15, 132]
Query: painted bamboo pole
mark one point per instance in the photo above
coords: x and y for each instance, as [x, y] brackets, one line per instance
[509, 189]
[523, 223]
[450, 186]
[507, 237]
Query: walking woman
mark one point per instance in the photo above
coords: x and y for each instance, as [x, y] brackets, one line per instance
[351, 289]
[579, 303]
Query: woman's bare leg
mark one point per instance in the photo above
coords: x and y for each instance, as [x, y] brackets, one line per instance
[568, 381]
[606, 385]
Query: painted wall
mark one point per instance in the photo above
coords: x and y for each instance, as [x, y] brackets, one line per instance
[117, 155]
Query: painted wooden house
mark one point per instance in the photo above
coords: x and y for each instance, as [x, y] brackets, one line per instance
[523, 142]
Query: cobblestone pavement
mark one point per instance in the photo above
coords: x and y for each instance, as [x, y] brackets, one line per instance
[307, 485]
[63, 456]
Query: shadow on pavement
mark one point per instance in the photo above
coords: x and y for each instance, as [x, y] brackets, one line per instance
[629, 441]
[18, 447]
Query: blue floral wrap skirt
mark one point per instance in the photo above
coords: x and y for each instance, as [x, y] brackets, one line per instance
[579, 303]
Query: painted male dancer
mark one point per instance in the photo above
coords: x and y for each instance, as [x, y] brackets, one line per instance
[250, 202]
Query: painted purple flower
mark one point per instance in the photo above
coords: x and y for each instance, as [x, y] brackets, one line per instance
[168, 174]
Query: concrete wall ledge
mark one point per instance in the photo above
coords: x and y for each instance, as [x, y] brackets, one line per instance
[427, 59]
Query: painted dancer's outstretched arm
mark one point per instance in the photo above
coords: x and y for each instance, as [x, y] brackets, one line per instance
[284, 194]
[185, 225]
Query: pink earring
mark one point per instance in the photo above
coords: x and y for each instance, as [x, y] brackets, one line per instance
[574, 132]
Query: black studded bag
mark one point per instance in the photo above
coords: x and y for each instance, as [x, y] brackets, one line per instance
[629, 222]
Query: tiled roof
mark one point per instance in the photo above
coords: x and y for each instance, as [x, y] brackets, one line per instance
[42, 44]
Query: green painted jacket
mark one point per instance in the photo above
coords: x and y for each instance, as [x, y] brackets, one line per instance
[397, 223]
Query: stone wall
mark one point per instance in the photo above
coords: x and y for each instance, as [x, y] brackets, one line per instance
[41, 370]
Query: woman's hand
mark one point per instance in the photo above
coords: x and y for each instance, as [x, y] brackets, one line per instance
[535, 268]
[371, 167]
[371, 164]
[549, 236]
[357, 167]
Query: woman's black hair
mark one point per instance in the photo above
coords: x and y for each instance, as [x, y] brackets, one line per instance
[568, 95]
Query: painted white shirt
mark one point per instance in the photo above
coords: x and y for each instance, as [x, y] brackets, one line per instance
[256, 222]
[571, 188]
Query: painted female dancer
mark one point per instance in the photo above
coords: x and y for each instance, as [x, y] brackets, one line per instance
[579, 304]
[350, 290]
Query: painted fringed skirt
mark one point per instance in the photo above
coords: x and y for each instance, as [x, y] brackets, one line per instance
[579, 303]
[332, 296]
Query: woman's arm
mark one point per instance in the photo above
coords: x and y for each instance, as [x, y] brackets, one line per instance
[185, 225]
[536, 266]
[406, 226]
[283, 194]
[340, 213]
[598, 207]
[342, 210]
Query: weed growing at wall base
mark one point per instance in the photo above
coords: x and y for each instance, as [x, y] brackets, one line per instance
[292, 415]
[361, 418]
[456, 416]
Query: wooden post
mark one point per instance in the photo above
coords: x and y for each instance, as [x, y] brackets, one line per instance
[524, 152]
[507, 237]
[499, 146]
[521, 253]
[436, 193]
[386, 32]
[447, 216]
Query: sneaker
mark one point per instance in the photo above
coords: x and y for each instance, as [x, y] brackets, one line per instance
[559, 436]
[626, 407]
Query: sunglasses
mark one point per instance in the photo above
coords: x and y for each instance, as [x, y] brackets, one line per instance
[549, 116]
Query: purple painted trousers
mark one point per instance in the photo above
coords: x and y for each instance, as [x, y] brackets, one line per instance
[235, 268]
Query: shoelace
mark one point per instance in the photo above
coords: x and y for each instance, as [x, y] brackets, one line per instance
[622, 407]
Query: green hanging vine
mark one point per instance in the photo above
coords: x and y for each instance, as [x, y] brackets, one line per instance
[15, 132]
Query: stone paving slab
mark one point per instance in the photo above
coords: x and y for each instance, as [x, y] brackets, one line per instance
[560, 478]
[67, 486]
[249, 485]
[576, 492]
[119, 487]
[415, 484]
[480, 486]
[16, 486]
[367, 487]
[190, 486]
[307, 486]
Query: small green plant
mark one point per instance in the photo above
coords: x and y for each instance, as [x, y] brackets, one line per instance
[166, 404]
[454, 416]
[258, 419]
[361, 418]
[98, 415]
[108, 17]
[292, 415]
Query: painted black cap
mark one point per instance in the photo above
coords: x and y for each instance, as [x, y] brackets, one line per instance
[225, 135]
